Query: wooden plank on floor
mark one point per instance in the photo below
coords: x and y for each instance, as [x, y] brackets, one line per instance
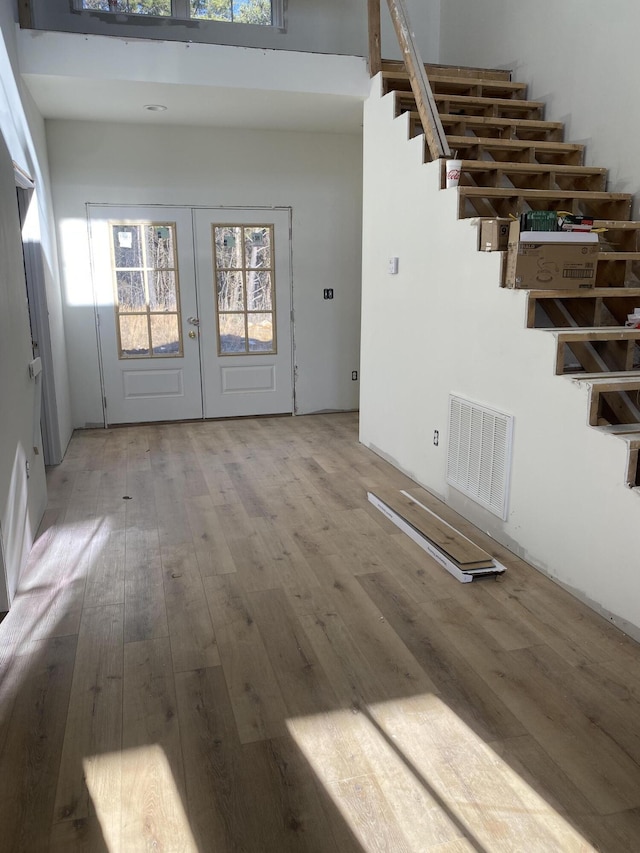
[145, 608]
[193, 640]
[153, 787]
[94, 724]
[258, 706]
[32, 742]
[397, 670]
[457, 546]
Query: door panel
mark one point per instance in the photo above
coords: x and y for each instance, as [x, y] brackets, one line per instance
[244, 291]
[144, 280]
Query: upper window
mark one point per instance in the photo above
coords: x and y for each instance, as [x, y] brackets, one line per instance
[262, 12]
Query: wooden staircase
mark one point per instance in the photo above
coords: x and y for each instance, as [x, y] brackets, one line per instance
[513, 161]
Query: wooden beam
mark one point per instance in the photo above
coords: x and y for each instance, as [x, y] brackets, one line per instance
[24, 14]
[375, 55]
[431, 124]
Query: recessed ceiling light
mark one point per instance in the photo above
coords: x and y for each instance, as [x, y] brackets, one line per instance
[155, 108]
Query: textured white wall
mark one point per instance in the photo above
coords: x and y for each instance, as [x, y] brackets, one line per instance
[443, 325]
[333, 26]
[318, 175]
[578, 56]
[22, 500]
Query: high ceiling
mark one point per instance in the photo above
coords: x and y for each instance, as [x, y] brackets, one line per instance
[96, 78]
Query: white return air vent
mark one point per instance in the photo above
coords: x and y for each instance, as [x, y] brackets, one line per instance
[479, 454]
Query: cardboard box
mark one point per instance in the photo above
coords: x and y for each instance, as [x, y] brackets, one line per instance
[494, 235]
[551, 261]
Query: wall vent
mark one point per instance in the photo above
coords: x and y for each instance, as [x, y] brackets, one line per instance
[479, 453]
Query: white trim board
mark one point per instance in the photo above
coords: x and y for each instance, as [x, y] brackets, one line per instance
[429, 547]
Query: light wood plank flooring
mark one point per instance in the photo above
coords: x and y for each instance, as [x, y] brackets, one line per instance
[219, 645]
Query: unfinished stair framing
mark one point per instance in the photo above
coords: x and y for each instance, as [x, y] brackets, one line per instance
[514, 161]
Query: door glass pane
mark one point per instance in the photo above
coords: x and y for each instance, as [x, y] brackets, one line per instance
[232, 337]
[165, 335]
[259, 291]
[230, 291]
[144, 262]
[127, 248]
[244, 282]
[131, 295]
[134, 335]
[159, 245]
[260, 332]
[162, 291]
[257, 247]
[228, 247]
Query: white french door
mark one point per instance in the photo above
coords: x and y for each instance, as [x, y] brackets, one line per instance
[144, 282]
[245, 311]
[194, 312]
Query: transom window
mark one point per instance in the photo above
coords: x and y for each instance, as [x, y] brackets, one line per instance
[245, 288]
[147, 293]
[261, 12]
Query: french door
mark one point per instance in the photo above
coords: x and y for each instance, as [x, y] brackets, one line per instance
[194, 312]
[245, 308]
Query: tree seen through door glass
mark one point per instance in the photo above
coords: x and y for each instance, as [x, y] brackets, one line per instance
[230, 291]
[232, 334]
[146, 289]
[260, 332]
[244, 289]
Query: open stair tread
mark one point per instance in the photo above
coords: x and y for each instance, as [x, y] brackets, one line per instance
[494, 142]
[591, 293]
[632, 430]
[596, 333]
[460, 82]
[465, 553]
[533, 168]
[523, 192]
[452, 70]
[498, 122]
[511, 104]
[619, 256]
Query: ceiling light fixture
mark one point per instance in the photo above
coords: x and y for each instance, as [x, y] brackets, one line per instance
[155, 108]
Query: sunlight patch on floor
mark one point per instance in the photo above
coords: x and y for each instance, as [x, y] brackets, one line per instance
[137, 802]
[421, 777]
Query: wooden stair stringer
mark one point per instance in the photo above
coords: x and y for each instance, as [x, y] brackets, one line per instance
[503, 174]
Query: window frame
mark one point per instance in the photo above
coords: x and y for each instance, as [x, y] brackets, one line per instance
[245, 269]
[145, 269]
[181, 11]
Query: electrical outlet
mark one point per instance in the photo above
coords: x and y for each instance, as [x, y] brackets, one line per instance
[354, 375]
[436, 437]
[328, 293]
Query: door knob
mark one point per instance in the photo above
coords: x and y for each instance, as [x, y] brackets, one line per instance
[193, 320]
[193, 334]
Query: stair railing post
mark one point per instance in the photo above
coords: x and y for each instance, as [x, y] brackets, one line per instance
[375, 55]
[425, 103]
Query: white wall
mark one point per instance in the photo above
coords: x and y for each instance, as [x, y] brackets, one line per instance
[332, 26]
[577, 56]
[443, 325]
[318, 175]
[22, 500]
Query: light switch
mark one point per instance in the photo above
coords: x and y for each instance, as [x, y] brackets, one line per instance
[393, 266]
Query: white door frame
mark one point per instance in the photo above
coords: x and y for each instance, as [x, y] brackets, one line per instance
[193, 207]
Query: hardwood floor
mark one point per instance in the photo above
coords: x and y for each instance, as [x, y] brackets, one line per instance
[220, 645]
